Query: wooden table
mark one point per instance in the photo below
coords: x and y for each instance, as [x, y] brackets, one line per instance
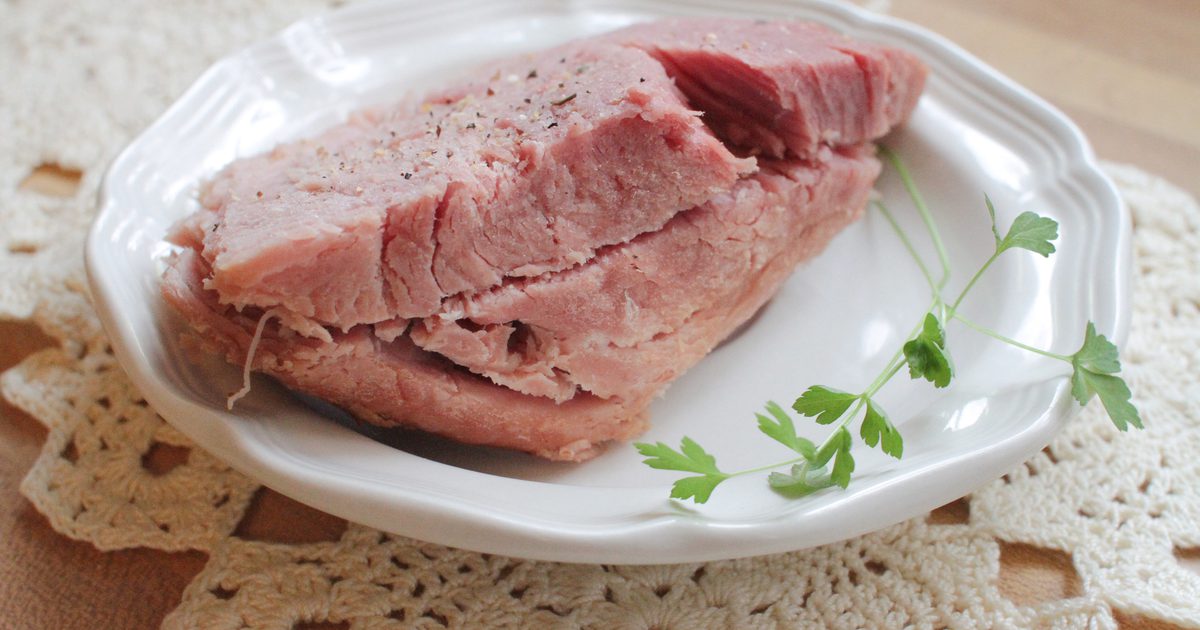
[1128, 73]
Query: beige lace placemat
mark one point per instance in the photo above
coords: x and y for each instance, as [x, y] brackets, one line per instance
[82, 79]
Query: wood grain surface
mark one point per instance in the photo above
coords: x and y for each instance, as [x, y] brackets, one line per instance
[1126, 72]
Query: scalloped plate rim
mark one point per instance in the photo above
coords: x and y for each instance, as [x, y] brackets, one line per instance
[557, 540]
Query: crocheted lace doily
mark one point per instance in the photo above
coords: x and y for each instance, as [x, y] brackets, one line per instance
[82, 79]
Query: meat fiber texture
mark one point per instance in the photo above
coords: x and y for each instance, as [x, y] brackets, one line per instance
[528, 259]
[527, 169]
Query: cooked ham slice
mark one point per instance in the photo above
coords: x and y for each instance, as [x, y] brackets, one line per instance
[395, 383]
[534, 164]
[734, 253]
[527, 169]
[780, 88]
[627, 323]
[532, 274]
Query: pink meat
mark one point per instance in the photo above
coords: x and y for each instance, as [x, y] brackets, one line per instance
[528, 168]
[535, 164]
[395, 383]
[627, 323]
[751, 238]
[528, 259]
[780, 88]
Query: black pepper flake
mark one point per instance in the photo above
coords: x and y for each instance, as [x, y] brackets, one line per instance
[564, 100]
[642, 80]
[438, 132]
[393, 133]
[563, 60]
[215, 226]
[407, 175]
[528, 101]
[470, 125]
[478, 115]
[552, 125]
[532, 74]
[449, 153]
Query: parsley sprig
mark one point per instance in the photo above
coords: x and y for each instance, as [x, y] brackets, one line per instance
[1094, 369]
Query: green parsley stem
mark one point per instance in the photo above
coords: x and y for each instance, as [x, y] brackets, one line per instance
[919, 202]
[892, 366]
[897, 360]
[887, 377]
[1008, 340]
[912, 251]
[975, 278]
[751, 471]
[845, 419]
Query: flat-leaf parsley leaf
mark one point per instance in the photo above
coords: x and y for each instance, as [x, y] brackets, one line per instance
[877, 429]
[843, 463]
[801, 481]
[690, 458]
[825, 403]
[1028, 231]
[1095, 367]
[926, 353]
[782, 430]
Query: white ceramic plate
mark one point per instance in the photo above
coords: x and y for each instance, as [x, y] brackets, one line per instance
[837, 321]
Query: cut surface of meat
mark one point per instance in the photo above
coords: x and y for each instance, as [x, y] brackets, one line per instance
[762, 231]
[395, 383]
[536, 163]
[529, 169]
[639, 314]
[778, 87]
[738, 249]
[529, 258]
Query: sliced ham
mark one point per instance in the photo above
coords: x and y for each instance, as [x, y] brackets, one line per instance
[395, 383]
[528, 169]
[737, 249]
[528, 259]
[639, 314]
[779, 88]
